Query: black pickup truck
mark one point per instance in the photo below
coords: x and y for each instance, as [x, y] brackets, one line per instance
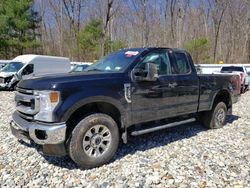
[129, 92]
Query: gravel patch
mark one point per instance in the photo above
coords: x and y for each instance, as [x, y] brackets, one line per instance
[184, 156]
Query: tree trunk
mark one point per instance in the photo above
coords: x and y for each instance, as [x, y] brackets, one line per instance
[217, 30]
[166, 24]
[248, 44]
[145, 25]
[107, 26]
[172, 9]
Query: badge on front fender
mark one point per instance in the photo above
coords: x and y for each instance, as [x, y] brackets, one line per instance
[127, 92]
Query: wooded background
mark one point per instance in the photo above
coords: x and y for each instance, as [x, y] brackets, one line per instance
[85, 30]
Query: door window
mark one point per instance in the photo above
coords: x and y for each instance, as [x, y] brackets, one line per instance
[29, 69]
[160, 59]
[181, 66]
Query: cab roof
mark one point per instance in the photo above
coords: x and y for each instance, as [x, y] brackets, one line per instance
[153, 48]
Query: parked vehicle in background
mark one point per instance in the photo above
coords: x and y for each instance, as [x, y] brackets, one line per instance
[216, 68]
[3, 63]
[79, 68]
[30, 66]
[208, 68]
[74, 64]
[86, 115]
[7, 73]
[241, 71]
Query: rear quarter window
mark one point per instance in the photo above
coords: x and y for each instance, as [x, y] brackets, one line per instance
[181, 66]
[232, 69]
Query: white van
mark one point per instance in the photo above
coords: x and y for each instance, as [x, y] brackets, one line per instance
[29, 66]
[3, 63]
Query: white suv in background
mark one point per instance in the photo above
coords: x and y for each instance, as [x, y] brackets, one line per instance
[241, 71]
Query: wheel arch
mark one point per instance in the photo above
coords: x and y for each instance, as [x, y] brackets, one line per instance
[222, 96]
[88, 106]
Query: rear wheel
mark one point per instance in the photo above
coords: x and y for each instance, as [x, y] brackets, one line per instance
[242, 89]
[246, 88]
[215, 118]
[94, 141]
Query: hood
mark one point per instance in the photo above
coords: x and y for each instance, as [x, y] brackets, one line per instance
[69, 80]
[6, 74]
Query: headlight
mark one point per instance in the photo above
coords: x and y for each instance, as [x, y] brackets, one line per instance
[48, 102]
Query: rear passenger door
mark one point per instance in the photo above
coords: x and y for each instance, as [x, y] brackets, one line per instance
[187, 83]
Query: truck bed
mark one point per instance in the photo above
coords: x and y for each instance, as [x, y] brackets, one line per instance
[211, 84]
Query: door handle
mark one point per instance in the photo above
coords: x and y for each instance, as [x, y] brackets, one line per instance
[172, 85]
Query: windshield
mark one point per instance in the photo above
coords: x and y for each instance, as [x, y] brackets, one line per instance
[12, 67]
[115, 62]
[232, 69]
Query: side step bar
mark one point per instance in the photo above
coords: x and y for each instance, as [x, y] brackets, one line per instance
[145, 131]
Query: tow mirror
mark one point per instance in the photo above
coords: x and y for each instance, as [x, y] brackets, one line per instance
[148, 74]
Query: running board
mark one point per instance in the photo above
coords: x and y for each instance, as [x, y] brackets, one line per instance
[145, 131]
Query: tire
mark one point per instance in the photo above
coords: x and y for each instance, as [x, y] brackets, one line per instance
[94, 141]
[242, 89]
[246, 88]
[215, 118]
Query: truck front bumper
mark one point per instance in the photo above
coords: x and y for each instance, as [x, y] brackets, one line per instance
[50, 135]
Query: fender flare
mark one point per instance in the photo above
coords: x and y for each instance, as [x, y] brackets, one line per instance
[94, 99]
[216, 94]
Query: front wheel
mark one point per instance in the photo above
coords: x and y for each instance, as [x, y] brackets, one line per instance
[215, 118]
[94, 141]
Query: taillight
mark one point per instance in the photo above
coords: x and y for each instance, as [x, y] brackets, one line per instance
[239, 86]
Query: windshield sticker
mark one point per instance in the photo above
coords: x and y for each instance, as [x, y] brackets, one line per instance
[131, 53]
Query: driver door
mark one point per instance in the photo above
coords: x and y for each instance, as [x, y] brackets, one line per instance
[153, 100]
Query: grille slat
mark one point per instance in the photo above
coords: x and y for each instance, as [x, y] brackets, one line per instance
[26, 103]
[24, 91]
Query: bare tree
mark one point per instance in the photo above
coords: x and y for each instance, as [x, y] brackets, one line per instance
[224, 23]
[107, 28]
[248, 35]
[217, 17]
[140, 9]
[73, 10]
[172, 17]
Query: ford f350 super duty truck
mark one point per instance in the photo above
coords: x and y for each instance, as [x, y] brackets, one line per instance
[85, 115]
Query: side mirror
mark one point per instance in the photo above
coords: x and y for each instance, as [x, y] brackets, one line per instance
[148, 74]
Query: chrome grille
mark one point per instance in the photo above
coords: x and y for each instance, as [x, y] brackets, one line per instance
[26, 102]
[24, 91]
